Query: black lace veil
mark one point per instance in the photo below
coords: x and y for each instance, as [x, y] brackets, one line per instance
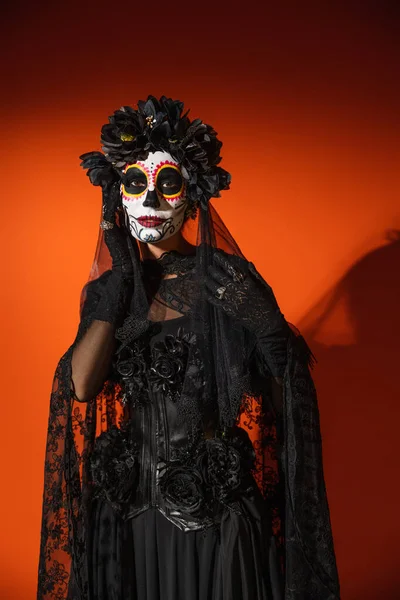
[278, 410]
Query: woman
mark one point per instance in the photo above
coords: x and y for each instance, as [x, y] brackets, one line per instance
[184, 452]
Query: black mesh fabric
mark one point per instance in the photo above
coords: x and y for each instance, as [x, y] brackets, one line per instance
[279, 411]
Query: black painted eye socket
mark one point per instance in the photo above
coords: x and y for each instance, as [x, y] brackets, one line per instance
[135, 181]
[169, 181]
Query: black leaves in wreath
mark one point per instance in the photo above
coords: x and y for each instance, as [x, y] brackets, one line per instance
[99, 170]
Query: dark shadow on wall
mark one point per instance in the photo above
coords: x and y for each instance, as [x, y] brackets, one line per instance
[355, 334]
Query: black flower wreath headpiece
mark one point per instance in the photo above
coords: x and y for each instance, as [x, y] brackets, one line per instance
[160, 125]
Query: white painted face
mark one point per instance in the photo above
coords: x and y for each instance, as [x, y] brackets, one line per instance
[153, 197]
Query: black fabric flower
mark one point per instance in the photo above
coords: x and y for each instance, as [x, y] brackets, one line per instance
[210, 475]
[131, 363]
[161, 368]
[114, 467]
[166, 372]
[182, 489]
[221, 467]
[225, 464]
[169, 359]
[124, 136]
[158, 124]
[132, 367]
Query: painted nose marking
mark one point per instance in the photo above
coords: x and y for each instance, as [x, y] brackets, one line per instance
[151, 199]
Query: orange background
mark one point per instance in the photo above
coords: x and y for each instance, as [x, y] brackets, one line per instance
[305, 97]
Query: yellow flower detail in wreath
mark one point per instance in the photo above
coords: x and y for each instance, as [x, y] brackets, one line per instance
[127, 137]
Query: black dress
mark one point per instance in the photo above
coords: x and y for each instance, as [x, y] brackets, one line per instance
[148, 553]
[143, 501]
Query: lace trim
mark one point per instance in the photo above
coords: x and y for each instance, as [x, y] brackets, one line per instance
[170, 262]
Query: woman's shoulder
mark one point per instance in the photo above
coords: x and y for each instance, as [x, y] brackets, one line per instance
[97, 282]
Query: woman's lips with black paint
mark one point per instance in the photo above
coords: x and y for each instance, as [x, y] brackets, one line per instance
[150, 221]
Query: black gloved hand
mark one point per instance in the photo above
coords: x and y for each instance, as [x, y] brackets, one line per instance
[118, 287]
[243, 294]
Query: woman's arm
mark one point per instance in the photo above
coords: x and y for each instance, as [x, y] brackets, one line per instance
[108, 297]
[104, 309]
[91, 360]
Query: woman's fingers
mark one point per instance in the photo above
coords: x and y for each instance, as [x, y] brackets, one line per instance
[218, 275]
[225, 264]
[221, 261]
[111, 201]
[212, 285]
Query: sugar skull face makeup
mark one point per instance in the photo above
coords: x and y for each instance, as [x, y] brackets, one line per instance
[153, 197]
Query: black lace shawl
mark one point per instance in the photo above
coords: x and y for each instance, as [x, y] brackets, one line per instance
[282, 422]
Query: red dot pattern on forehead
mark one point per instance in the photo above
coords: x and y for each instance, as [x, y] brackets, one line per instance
[153, 169]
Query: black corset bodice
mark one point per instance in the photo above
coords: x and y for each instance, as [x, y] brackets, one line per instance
[151, 461]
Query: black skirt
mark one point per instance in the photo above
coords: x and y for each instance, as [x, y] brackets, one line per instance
[150, 558]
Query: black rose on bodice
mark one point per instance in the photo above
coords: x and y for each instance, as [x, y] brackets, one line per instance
[165, 372]
[162, 367]
[175, 345]
[210, 475]
[114, 466]
[182, 489]
[169, 360]
[221, 467]
[131, 366]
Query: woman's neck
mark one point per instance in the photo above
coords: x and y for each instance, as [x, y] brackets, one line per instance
[175, 242]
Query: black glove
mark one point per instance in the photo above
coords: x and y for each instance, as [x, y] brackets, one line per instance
[244, 295]
[118, 288]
